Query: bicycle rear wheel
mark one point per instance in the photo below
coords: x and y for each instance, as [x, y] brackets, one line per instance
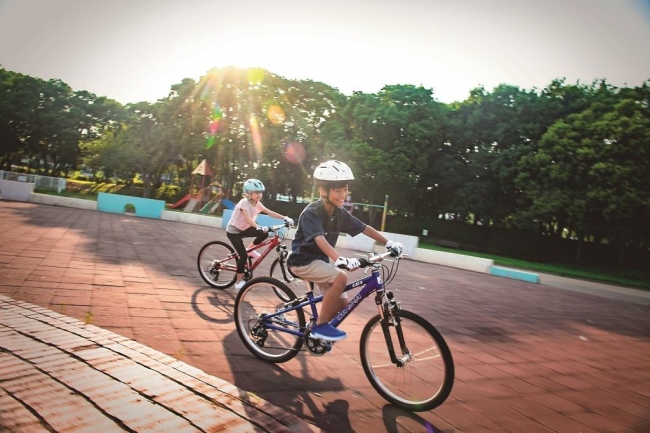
[426, 377]
[257, 299]
[213, 268]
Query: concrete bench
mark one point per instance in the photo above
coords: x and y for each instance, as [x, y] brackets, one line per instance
[116, 203]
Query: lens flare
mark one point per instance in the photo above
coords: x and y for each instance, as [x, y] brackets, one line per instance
[294, 152]
[255, 76]
[256, 135]
[275, 113]
[216, 111]
[213, 126]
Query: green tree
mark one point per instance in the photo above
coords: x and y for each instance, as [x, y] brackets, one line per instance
[389, 139]
[592, 169]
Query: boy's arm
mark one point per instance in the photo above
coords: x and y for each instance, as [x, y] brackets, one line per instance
[326, 248]
[395, 247]
[374, 234]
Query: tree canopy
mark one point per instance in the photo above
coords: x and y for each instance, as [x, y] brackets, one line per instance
[568, 160]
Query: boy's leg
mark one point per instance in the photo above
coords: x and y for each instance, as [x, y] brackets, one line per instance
[331, 282]
[333, 298]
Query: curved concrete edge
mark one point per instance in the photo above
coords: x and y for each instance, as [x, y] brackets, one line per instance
[53, 200]
[97, 380]
[515, 274]
[591, 287]
[191, 218]
[470, 263]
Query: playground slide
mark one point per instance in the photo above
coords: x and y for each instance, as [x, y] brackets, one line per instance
[180, 202]
[227, 204]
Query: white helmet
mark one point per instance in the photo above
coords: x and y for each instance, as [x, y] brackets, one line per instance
[333, 172]
[253, 185]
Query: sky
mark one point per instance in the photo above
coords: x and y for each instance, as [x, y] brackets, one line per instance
[135, 50]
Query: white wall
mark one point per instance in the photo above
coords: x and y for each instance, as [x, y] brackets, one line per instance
[14, 190]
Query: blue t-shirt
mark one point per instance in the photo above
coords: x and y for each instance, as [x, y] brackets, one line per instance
[315, 221]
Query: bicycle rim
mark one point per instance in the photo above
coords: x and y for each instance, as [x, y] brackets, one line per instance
[426, 378]
[220, 275]
[257, 299]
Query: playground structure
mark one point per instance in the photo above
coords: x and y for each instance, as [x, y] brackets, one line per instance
[352, 206]
[203, 197]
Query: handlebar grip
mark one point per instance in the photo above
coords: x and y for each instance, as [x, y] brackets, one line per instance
[362, 264]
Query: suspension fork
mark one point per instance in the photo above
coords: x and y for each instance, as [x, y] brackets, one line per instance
[385, 314]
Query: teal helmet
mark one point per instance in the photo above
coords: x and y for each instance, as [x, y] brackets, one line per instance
[253, 185]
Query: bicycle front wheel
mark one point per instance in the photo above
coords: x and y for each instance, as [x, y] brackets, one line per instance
[213, 266]
[424, 374]
[269, 339]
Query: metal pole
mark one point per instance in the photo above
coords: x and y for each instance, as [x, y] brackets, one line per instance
[383, 217]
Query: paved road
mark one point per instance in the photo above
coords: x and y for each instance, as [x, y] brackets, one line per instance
[529, 358]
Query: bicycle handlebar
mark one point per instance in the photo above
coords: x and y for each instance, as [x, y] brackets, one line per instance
[375, 258]
[278, 227]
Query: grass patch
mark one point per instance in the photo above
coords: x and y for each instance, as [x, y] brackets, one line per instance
[621, 277]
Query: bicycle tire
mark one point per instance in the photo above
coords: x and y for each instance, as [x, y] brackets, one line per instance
[423, 382]
[257, 297]
[223, 276]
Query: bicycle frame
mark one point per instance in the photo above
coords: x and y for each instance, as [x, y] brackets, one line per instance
[270, 242]
[371, 283]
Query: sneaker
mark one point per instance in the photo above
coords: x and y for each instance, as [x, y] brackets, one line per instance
[239, 285]
[327, 332]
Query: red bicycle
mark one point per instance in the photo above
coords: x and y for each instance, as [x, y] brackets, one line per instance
[217, 260]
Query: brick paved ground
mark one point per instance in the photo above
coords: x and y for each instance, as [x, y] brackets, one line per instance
[61, 374]
[529, 358]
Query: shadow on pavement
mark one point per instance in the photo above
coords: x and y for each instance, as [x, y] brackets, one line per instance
[397, 420]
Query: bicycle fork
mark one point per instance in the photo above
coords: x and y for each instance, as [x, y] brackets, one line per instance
[388, 320]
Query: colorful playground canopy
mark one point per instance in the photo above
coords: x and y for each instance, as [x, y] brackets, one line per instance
[203, 169]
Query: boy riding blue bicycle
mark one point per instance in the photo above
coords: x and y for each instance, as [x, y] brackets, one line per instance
[312, 249]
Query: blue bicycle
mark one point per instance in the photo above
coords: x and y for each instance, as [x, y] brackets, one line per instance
[403, 356]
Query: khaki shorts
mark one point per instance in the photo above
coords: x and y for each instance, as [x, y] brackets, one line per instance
[320, 273]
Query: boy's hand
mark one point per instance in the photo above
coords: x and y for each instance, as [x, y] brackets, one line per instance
[349, 264]
[396, 248]
[263, 229]
[288, 221]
